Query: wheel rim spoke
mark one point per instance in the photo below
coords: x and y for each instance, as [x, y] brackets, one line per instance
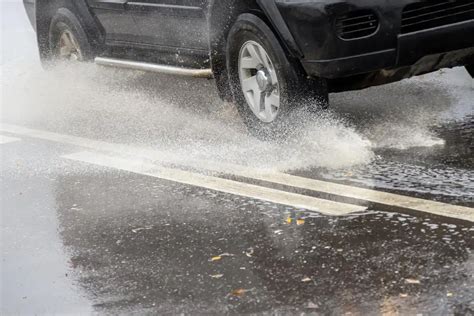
[77, 49]
[264, 57]
[250, 84]
[251, 89]
[63, 51]
[259, 99]
[255, 54]
[272, 103]
[249, 63]
[66, 41]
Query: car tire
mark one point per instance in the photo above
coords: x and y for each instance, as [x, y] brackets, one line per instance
[67, 39]
[258, 64]
[470, 70]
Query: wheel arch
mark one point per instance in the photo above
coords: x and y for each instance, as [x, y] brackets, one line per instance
[223, 14]
[45, 10]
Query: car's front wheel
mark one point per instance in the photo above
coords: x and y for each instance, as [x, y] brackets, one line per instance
[266, 85]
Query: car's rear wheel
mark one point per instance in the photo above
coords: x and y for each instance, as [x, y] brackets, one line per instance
[470, 70]
[266, 85]
[67, 39]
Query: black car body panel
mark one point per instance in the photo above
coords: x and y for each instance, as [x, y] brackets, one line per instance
[30, 11]
[413, 46]
[274, 15]
[326, 54]
[154, 22]
[352, 43]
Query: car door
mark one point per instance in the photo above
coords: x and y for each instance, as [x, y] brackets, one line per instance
[172, 24]
[116, 19]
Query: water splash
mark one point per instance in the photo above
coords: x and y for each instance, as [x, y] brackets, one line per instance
[182, 118]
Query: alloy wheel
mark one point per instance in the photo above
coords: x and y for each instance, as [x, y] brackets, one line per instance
[259, 81]
[68, 47]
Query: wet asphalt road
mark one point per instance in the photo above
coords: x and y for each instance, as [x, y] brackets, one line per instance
[82, 238]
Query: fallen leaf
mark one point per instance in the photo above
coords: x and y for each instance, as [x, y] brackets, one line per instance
[217, 276]
[249, 252]
[289, 220]
[136, 230]
[412, 281]
[221, 256]
[239, 292]
[300, 222]
[306, 279]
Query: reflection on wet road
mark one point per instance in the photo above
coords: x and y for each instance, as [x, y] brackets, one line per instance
[137, 244]
[159, 257]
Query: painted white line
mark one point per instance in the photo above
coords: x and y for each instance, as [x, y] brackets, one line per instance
[421, 205]
[66, 139]
[218, 184]
[368, 195]
[7, 139]
[402, 201]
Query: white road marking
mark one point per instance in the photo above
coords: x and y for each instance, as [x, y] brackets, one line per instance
[402, 201]
[218, 184]
[7, 139]
[421, 205]
[368, 195]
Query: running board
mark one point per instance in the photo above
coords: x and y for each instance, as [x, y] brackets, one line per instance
[164, 69]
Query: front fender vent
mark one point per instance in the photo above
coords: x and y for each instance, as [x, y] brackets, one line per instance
[433, 13]
[356, 24]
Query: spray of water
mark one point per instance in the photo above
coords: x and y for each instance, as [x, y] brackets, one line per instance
[184, 119]
[405, 114]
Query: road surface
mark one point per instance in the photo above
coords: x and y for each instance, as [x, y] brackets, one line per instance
[133, 193]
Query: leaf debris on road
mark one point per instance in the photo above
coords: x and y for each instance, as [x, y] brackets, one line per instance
[217, 276]
[136, 230]
[240, 292]
[222, 255]
[412, 281]
[249, 252]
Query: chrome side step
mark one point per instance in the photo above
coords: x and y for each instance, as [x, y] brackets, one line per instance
[164, 69]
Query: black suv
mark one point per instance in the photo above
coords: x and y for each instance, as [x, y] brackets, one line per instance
[267, 56]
